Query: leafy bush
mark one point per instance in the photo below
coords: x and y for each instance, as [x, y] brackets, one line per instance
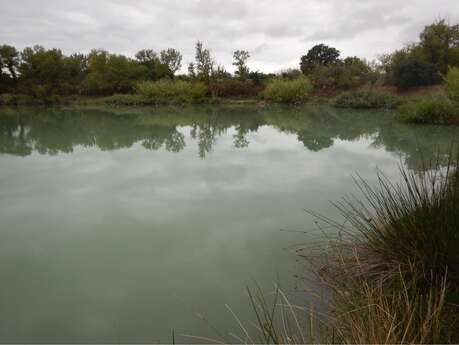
[430, 109]
[122, 99]
[231, 87]
[365, 99]
[167, 91]
[452, 83]
[352, 72]
[288, 91]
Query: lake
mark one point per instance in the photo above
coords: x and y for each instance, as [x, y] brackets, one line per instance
[119, 225]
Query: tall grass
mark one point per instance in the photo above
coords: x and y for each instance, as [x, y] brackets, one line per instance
[434, 109]
[288, 91]
[394, 271]
[390, 274]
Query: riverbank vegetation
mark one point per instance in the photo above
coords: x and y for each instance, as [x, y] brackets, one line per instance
[366, 98]
[389, 276]
[432, 109]
[37, 75]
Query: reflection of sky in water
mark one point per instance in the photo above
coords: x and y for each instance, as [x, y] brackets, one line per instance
[124, 245]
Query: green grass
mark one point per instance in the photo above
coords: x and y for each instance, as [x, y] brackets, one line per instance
[288, 91]
[365, 98]
[433, 109]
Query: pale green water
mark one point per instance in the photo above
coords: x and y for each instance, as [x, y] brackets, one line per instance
[119, 225]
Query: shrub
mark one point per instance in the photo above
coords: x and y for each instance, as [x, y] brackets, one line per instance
[365, 99]
[6, 99]
[167, 91]
[9, 99]
[288, 91]
[231, 87]
[452, 83]
[120, 99]
[430, 109]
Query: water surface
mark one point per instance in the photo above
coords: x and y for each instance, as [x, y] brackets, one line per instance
[118, 225]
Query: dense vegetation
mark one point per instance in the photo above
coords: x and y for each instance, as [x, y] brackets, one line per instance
[429, 109]
[39, 75]
[366, 98]
[393, 271]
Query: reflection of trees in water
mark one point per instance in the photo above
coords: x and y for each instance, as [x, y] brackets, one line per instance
[50, 131]
[167, 136]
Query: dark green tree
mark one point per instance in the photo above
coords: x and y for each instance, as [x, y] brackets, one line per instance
[440, 45]
[319, 55]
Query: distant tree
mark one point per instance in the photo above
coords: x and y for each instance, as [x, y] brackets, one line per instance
[171, 58]
[204, 63]
[240, 61]
[9, 59]
[110, 73]
[408, 67]
[154, 68]
[191, 70]
[319, 55]
[440, 45]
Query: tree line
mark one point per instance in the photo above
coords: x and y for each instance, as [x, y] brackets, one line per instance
[41, 72]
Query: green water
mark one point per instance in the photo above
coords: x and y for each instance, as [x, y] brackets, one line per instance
[118, 225]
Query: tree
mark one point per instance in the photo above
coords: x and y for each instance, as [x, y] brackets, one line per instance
[319, 55]
[204, 63]
[191, 70]
[171, 58]
[9, 59]
[151, 60]
[110, 73]
[240, 61]
[440, 45]
[408, 68]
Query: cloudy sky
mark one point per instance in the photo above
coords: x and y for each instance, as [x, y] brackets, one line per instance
[275, 32]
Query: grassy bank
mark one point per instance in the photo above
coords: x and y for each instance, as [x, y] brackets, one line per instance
[389, 275]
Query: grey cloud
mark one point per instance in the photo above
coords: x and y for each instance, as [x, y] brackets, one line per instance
[276, 32]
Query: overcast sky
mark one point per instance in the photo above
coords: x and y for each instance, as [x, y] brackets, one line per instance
[276, 32]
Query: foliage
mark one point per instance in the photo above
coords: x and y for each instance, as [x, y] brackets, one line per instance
[235, 87]
[240, 61]
[319, 55]
[423, 63]
[204, 66]
[166, 91]
[172, 59]
[408, 68]
[429, 109]
[110, 73]
[366, 98]
[288, 91]
[452, 83]
[124, 99]
[440, 45]
[154, 68]
[352, 72]
[9, 59]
